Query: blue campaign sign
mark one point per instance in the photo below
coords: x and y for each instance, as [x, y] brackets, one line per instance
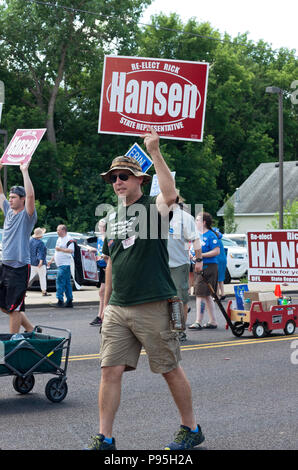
[138, 153]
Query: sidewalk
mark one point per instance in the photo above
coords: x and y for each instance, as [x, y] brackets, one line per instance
[89, 295]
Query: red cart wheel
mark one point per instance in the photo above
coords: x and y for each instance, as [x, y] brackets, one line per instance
[259, 330]
[290, 327]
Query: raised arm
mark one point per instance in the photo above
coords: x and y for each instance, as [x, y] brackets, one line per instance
[168, 193]
[2, 195]
[30, 196]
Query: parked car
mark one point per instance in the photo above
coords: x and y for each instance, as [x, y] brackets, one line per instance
[239, 238]
[237, 260]
[50, 239]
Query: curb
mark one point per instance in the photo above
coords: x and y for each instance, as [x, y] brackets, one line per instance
[75, 304]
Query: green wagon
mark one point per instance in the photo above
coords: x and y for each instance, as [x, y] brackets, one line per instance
[36, 353]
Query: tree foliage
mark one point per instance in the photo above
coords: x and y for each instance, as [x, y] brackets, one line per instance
[51, 61]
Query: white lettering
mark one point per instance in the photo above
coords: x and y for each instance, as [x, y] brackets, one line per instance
[150, 97]
[294, 355]
[117, 91]
[175, 94]
[131, 102]
[160, 109]
[258, 254]
[288, 254]
[147, 93]
[273, 255]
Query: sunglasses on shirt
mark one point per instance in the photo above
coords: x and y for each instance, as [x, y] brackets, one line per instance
[121, 176]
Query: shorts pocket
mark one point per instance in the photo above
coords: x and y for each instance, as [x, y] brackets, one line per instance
[167, 355]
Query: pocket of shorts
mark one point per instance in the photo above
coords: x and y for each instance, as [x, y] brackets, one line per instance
[170, 340]
[168, 335]
[170, 347]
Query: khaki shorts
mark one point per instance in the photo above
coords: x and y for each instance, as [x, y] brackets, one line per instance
[126, 329]
[180, 276]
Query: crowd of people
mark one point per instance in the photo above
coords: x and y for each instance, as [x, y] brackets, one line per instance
[138, 279]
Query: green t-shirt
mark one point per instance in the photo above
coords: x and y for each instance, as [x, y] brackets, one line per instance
[136, 241]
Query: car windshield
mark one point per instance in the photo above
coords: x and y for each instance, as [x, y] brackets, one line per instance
[51, 240]
[241, 242]
[228, 242]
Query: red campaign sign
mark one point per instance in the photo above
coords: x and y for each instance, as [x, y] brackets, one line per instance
[169, 95]
[273, 256]
[89, 265]
[22, 146]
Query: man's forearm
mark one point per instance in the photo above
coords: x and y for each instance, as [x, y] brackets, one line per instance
[165, 179]
[108, 283]
[28, 184]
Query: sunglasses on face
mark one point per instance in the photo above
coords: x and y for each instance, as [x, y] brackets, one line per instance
[121, 176]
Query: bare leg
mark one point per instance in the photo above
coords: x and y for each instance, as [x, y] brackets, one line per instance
[15, 321]
[211, 310]
[109, 397]
[200, 312]
[101, 300]
[18, 319]
[26, 324]
[181, 392]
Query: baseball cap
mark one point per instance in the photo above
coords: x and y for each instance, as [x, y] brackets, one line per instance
[20, 190]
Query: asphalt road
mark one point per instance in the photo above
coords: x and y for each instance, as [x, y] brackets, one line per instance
[244, 393]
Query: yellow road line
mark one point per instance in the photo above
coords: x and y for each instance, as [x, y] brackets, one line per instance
[194, 347]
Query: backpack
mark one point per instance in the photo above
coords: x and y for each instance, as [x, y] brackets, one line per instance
[78, 268]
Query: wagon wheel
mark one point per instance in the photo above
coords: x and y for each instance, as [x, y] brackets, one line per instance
[259, 330]
[23, 385]
[56, 390]
[290, 327]
[238, 328]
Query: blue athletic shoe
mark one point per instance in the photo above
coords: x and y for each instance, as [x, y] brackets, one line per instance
[186, 439]
[98, 443]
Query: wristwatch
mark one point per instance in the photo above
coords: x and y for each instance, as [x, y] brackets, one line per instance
[199, 260]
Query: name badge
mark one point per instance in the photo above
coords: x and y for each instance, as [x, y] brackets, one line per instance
[128, 242]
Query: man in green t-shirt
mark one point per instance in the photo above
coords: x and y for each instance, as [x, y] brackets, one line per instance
[138, 286]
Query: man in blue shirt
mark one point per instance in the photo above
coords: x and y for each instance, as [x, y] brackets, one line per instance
[38, 254]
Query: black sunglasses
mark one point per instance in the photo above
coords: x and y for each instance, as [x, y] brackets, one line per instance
[121, 176]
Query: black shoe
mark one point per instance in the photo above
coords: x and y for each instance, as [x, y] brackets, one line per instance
[68, 304]
[98, 443]
[37, 329]
[186, 439]
[59, 304]
[96, 322]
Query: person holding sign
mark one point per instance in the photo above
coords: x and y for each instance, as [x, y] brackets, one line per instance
[20, 218]
[138, 287]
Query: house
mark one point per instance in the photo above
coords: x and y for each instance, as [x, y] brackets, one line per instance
[256, 201]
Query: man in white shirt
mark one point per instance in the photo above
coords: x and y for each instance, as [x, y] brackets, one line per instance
[182, 231]
[63, 260]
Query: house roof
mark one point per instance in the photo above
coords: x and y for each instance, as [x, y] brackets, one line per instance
[259, 194]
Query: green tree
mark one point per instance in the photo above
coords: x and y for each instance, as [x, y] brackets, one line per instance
[229, 216]
[290, 216]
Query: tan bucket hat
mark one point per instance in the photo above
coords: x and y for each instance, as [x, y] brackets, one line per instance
[38, 232]
[126, 163]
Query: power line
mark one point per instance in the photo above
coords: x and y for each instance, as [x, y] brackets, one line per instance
[78, 10]
[189, 33]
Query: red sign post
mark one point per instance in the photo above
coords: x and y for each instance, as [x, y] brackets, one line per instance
[22, 146]
[273, 256]
[169, 95]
